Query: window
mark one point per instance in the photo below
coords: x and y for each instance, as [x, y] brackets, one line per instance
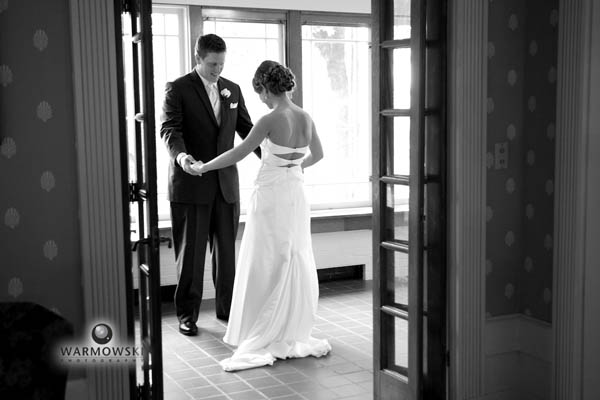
[332, 65]
[249, 42]
[337, 94]
[171, 60]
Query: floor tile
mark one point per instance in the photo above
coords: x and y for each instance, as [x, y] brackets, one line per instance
[204, 392]
[344, 316]
[263, 382]
[247, 395]
[234, 387]
[276, 391]
[192, 383]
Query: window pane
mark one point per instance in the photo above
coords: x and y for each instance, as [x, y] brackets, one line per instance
[401, 19]
[396, 213]
[395, 355]
[172, 24]
[337, 94]
[401, 146]
[170, 47]
[396, 272]
[248, 44]
[401, 78]
[158, 24]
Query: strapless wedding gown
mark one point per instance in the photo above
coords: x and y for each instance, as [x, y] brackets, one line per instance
[276, 289]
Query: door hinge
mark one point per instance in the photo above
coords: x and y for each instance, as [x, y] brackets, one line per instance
[126, 6]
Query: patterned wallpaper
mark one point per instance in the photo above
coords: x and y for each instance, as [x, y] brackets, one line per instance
[39, 228]
[522, 56]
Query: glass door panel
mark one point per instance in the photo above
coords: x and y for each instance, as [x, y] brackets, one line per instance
[396, 338]
[401, 146]
[402, 78]
[397, 215]
[401, 19]
[397, 279]
[135, 75]
[408, 199]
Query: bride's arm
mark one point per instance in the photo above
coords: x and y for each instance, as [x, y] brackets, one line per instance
[230, 157]
[316, 149]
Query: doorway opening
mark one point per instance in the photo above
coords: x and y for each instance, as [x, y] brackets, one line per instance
[331, 55]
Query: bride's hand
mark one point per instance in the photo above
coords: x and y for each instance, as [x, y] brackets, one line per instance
[198, 167]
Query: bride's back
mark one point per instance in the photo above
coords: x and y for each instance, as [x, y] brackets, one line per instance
[289, 127]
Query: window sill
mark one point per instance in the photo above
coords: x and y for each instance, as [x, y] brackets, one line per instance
[330, 220]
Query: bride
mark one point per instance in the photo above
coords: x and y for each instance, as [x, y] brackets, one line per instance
[276, 289]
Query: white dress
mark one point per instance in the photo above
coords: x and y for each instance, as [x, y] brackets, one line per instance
[276, 288]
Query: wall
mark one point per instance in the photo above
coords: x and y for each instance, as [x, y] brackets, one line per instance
[522, 56]
[522, 59]
[350, 6]
[39, 232]
[591, 316]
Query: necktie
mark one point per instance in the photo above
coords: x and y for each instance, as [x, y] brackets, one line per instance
[213, 95]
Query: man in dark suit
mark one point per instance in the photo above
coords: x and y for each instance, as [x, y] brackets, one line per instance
[201, 113]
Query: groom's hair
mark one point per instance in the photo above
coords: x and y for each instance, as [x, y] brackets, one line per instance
[210, 43]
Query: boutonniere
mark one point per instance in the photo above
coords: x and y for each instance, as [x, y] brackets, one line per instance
[225, 93]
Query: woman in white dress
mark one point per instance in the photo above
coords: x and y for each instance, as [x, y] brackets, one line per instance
[276, 289]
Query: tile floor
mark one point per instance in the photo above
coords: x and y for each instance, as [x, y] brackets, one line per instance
[191, 369]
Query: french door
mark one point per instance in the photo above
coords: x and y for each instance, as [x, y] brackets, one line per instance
[136, 91]
[409, 206]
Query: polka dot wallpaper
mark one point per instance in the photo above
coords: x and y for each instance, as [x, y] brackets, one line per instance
[39, 229]
[522, 57]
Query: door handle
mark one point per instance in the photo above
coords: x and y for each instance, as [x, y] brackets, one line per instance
[162, 239]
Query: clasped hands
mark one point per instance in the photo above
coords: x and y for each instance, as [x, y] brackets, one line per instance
[191, 165]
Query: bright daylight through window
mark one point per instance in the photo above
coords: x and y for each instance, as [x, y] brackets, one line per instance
[336, 91]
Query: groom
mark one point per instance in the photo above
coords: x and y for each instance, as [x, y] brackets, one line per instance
[201, 113]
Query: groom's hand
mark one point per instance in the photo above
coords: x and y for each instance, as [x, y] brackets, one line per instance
[186, 161]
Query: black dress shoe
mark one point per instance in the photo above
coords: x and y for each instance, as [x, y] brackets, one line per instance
[188, 328]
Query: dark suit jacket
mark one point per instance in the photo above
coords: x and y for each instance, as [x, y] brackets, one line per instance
[189, 125]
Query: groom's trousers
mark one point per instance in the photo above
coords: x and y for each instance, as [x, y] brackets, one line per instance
[192, 226]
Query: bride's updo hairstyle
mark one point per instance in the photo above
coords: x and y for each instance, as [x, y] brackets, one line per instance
[274, 77]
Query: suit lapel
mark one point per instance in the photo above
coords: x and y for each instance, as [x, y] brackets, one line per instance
[199, 86]
[224, 104]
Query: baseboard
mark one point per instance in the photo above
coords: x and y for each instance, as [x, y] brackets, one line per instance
[518, 359]
[331, 250]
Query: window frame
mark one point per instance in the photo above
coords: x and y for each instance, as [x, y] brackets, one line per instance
[293, 20]
[182, 13]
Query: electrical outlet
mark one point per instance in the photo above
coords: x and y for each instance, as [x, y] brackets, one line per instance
[501, 155]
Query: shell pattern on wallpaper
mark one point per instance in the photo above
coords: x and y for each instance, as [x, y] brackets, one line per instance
[9, 150]
[511, 130]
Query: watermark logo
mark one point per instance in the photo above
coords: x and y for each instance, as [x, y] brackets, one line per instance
[101, 348]
[101, 333]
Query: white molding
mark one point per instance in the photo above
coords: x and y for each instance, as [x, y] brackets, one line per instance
[467, 187]
[591, 317]
[569, 204]
[518, 333]
[99, 177]
[518, 358]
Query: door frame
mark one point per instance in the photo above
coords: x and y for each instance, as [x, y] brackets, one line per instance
[467, 55]
[467, 134]
[102, 205]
